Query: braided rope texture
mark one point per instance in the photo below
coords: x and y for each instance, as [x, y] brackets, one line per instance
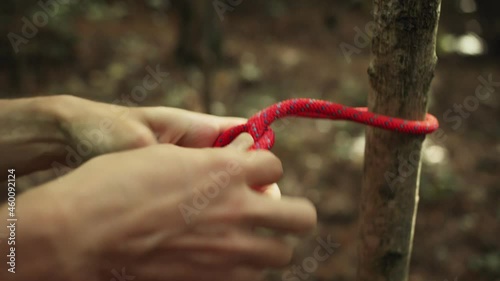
[258, 126]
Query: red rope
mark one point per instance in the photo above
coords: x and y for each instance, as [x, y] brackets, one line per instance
[258, 126]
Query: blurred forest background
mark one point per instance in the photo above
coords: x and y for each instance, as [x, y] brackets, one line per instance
[236, 59]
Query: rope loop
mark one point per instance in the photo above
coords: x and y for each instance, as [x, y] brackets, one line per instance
[258, 126]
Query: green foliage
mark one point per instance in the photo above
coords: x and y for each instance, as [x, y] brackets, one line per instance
[487, 264]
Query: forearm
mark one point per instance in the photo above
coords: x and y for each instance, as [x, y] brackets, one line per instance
[33, 233]
[31, 137]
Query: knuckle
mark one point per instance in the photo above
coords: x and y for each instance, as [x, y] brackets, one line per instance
[252, 214]
[142, 138]
[216, 159]
[275, 167]
[235, 200]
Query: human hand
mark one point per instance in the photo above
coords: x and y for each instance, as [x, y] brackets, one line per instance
[170, 213]
[111, 128]
[38, 132]
[135, 127]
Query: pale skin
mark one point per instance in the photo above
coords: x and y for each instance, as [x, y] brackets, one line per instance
[118, 212]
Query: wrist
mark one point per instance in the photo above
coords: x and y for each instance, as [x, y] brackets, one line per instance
[31, 136]
[57, 110]
[41, 243]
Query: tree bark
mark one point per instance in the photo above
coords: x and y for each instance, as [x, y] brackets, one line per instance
[400, 73]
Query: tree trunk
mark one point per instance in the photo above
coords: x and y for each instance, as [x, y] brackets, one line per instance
[200, 41]
[490, 23]
[400, 73]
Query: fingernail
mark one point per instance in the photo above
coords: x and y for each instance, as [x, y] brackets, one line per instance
[273, 191]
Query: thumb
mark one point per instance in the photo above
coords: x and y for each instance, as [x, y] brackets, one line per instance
[243, 142]
[273, 191]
